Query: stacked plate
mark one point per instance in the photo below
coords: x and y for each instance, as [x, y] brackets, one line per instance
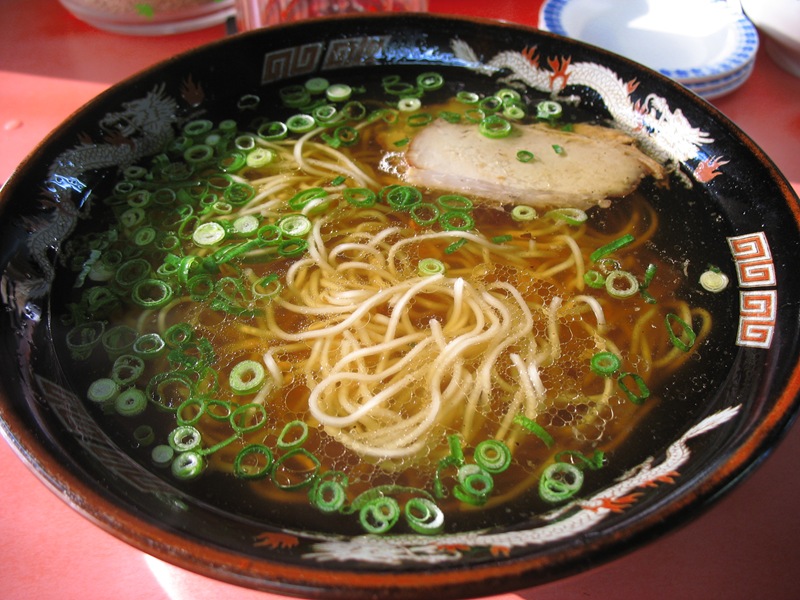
[709, 46]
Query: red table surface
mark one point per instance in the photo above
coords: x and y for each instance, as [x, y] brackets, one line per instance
[745, 547]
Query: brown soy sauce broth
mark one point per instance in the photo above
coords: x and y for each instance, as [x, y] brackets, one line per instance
[682, 246]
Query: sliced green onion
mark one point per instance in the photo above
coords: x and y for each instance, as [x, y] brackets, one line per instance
[127, 369]
[360, 197]
[162, 455]
[454, 202]
[346, 135]
[132, 271]
[596, 461]
[338, 92]
[495, 127]
[152, 293]
[144, 236]
[232, 162]
[209, 234]
[603, 251]
[379, 515]
[191, 411]
[300, 123]
[456, 220]
[254, 461]
[714, 280]
[149, 346]
[130, 402]
[402, 197]
[293, 435]
[467, 97]
[326, 114]
[474, 485]
[269, 235]
[328, 492]
[294, 96]
[103, 391]
[450, 116]
[649, 274]
[492, 456]
[523, 212]
[259, 157]
[502, 239]
[474, 115]
[424, 516]
[316, 85]
[267, 287]
[295, 469]
[247, 377]
[425, 213]
[245, 142]
[594, 279]
[198, 154]
[295, 225]
[430, 266]
[292, 247]
[247, 418]
[491, 104]
[455, 246]
[409, 104]
[200, 287]
[188, 465]
[525, 156]
[419, 119]
[514, 111]
[246, 225]
[560, 481]
[184, 438]
[559, 149]
[430, 81]
[684, 340]
[456, 451]
[302, 199]
[534, 428]
[197, 127]
[144, 435]
[118, 340]
[572, 216]
[605, 364]
[169, 389]
[642, 392]
[621, 284]
[548, 110]
[273, 131]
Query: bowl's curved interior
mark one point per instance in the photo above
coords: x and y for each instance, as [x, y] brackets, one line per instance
[728, 207]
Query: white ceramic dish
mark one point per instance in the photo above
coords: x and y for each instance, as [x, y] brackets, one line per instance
[779, 21]
[691, 41]
[723, 85]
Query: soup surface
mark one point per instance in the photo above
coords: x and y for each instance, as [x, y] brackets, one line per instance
[276, 318]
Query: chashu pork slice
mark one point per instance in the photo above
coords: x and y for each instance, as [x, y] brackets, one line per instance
[577, 169]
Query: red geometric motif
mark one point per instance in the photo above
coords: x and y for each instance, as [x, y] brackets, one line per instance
[757, 308]
[759, 305]
[756, 334]
[751, 246]
[756, 273]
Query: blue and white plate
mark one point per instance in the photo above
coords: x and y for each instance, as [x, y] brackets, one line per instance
[696, 42]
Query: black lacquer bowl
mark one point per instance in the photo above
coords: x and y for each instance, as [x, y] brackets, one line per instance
[730, 207]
